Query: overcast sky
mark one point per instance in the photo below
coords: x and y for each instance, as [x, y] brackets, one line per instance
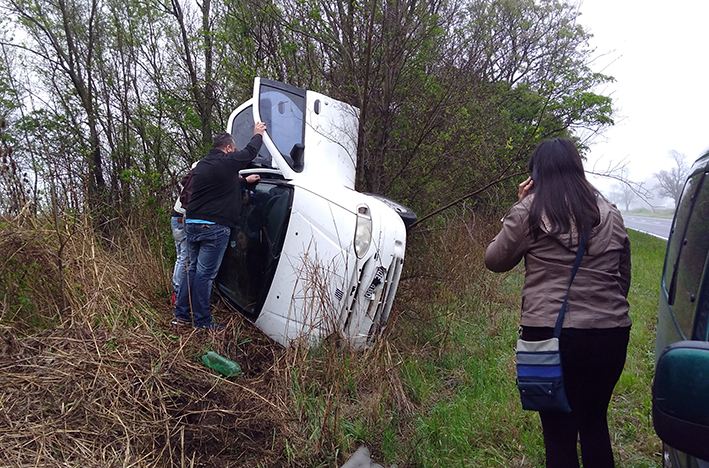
[658, 52]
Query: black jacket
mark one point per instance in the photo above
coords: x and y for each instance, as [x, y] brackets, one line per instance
[216, 189]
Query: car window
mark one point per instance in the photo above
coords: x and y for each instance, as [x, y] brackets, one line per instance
[242, 130]
[282, 109]
[254, 248]
[686, 256]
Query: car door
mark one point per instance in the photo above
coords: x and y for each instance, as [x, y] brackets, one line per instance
[680, 409]
[325, 127]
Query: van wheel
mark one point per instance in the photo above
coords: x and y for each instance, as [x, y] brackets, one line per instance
[406, 213]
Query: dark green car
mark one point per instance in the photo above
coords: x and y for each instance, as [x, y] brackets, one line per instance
[681, 386]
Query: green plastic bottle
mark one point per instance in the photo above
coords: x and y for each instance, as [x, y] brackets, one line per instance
[221, 364]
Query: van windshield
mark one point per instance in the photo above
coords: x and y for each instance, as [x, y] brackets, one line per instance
[282, 109]
[254, 248]
[242, 130]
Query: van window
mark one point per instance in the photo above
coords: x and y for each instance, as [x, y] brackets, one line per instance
[687, 253]
[254, 248]
[242, 130]
[282, 109]
[677, 231]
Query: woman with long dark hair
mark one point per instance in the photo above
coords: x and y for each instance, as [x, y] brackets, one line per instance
[557, 209]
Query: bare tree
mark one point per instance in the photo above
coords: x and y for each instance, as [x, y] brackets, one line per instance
[671, 182]
[624, 194]
[201, 80]
[65, 37]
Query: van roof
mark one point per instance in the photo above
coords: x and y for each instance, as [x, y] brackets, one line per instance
[701, 164]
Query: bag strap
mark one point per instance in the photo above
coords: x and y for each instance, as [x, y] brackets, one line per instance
[562, 312]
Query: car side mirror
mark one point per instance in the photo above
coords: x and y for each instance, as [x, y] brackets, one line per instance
[297, 154]
[680, 406]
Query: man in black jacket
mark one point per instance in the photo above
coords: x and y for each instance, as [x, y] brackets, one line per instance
[214, 208]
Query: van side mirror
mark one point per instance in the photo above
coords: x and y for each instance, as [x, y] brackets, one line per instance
[297, 154]
[680, 406]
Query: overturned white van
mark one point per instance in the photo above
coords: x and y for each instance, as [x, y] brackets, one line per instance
[311, 257]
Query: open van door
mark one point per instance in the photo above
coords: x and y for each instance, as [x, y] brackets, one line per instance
[309, 135]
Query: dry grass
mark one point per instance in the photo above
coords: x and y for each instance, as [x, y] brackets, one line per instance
[445, 266]
[82, 397]
[62, 274]
[92, 374]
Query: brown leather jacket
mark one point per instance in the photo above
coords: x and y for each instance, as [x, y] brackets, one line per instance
[598, 294]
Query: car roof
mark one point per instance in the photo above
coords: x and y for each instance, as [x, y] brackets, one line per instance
[701, 163]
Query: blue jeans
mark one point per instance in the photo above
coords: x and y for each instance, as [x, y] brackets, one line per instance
[206, 244]
[178, 233]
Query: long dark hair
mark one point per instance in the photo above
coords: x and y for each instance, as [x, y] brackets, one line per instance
[561, 192]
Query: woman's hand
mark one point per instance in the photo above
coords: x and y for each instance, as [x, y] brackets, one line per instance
[524, 188]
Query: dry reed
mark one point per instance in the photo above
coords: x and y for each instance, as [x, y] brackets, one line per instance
[92, 374]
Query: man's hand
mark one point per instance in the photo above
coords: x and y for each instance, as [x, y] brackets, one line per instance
[524, 188]
[253, 178]
[259, 128]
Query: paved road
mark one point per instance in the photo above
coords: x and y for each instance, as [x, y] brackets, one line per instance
[658, 227]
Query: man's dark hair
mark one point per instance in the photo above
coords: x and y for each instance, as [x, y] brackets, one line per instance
[221, 140]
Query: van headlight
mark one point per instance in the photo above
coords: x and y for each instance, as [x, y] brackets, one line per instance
[363, 231]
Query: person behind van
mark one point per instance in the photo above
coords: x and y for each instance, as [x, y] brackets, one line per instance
[556, 206]
[177, 223]
[213, 210]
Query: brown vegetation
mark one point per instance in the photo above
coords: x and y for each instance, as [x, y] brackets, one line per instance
[92, 374]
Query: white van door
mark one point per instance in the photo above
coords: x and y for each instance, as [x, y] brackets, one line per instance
[308, 134]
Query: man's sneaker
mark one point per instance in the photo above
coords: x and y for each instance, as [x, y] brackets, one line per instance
[211, 327]
[173, 299]
[180, 322]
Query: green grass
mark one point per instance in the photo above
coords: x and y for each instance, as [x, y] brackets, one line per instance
[471, 415]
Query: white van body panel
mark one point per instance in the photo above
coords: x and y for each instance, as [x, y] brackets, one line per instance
[320, 284]
[331, 140]
[314, 262]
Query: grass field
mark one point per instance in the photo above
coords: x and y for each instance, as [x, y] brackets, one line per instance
[471, 415]
[666, 214]
[93, 374]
